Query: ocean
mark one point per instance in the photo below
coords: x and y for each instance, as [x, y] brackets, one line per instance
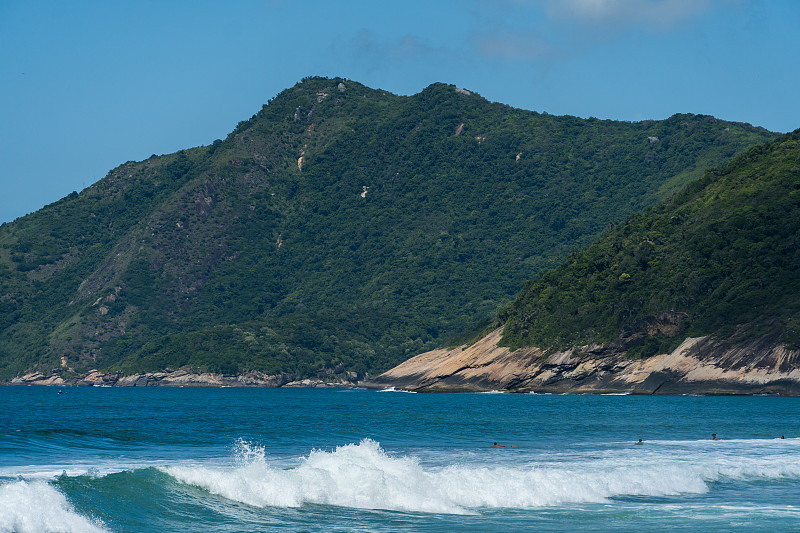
[352, 460]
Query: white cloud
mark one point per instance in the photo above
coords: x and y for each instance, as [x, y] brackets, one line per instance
[647, 14]
[550, 30]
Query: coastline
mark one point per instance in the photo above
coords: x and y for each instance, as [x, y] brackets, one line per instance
[186, 378]
[182, 377]
[699, 366]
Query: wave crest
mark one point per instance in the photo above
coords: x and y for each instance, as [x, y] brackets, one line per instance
[364, 476]
[32, 507]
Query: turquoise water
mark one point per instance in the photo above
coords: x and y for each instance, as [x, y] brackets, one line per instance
[186, 459]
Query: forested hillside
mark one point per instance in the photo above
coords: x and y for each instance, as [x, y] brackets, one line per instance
[722, 258]
[341, 228]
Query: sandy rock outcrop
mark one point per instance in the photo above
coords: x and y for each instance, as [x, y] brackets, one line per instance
[37, 378]
[699, 365]
[482, 366]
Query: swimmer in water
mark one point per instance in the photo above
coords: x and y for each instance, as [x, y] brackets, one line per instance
[495, 445]
[713, 436]
[640, 442]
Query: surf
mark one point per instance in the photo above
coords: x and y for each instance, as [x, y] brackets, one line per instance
[35, 506]
[364, 476]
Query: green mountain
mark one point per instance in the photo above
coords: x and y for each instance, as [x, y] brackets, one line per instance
[722, 258]
[339, 228]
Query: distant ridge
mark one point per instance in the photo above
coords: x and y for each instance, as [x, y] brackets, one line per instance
[338, 231]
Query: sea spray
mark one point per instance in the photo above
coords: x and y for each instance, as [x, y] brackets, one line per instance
[359, 476]
[34, 507]
[364, 476]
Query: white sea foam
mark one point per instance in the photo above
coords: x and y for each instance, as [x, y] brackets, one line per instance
[392, 389]
[32, 507]
[49, 472]
[364, 476]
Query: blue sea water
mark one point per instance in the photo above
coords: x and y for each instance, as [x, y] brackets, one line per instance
[190, 459]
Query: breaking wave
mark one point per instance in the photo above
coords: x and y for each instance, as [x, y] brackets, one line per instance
[34, 507]
[364, 476]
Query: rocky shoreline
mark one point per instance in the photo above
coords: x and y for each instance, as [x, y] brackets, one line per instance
[702, 365]
[181, 377]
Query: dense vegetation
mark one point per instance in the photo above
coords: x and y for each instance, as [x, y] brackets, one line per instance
[724, 254]
[340, 228]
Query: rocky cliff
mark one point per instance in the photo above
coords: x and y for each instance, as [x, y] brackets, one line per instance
[700, 365]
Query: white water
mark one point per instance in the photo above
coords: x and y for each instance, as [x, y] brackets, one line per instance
[34, 507]
[364, 476]
[96, 468]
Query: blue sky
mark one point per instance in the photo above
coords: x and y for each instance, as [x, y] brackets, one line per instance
[88, 85]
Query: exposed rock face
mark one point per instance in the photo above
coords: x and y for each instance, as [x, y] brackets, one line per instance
[702, 365]
[174, 378]
[186, 377]
[37, 378]
[318, 383]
